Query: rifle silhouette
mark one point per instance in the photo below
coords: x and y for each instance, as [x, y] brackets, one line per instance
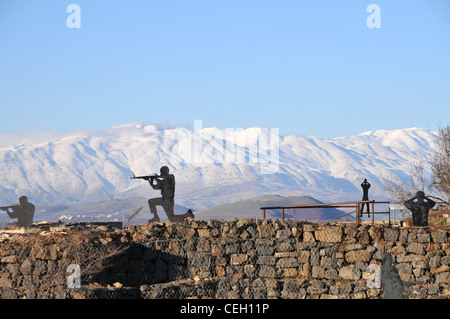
[150, 177]
[14, 206]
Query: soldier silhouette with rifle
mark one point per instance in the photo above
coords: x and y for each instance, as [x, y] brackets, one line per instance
[24, 212]
[166, 183]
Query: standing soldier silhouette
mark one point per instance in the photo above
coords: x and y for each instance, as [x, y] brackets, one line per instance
[419, 205]
[365, 186]
[166, 183]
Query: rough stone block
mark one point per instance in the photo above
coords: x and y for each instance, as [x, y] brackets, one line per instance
[238, 259]
[416, 248]
[317, 272]
[329, 234]
[439, 237]
[350, 273]
[391, 234]
[287, 263]
[308, 237]
[357, 256]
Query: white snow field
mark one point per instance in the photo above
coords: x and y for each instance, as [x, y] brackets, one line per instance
[211, 166]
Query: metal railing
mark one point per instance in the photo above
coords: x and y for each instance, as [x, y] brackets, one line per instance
[355, 205]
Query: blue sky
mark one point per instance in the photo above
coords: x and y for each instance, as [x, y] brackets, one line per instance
[305, 67]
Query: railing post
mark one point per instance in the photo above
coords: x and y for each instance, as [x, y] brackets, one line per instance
[357, 212]
[282, 213]
[373, 211]
[389, 211]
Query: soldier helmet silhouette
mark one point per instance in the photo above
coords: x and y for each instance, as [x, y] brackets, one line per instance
[164, 171]
[420, 194]
[23, 200]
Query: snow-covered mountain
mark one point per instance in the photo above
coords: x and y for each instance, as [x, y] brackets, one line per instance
[211, 166]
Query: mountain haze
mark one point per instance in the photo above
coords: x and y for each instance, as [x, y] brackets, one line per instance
[251, 208]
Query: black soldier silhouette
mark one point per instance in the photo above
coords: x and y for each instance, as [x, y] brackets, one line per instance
[365, 186]
[390, 280]
[419, 205]
[166, 183]
[24, 212]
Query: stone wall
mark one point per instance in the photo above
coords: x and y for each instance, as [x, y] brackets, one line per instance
[229, 259]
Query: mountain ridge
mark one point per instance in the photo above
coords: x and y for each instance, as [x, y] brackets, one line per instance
[90, 166]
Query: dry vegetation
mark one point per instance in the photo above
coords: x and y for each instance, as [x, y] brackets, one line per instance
[437, 186]
[91, 251]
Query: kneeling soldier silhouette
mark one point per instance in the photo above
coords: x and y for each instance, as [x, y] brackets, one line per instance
[166, 183]
[24, 212]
